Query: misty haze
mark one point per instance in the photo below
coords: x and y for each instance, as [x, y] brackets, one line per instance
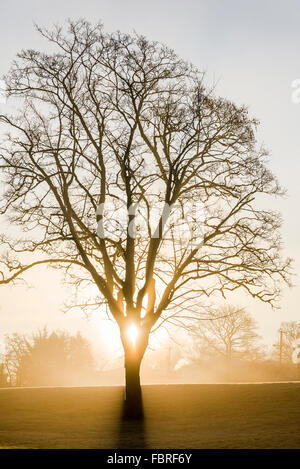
[149, 242]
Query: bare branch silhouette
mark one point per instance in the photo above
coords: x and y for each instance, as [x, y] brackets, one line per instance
[113, 120]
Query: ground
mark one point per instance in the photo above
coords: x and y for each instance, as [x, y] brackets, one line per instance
[263, 415]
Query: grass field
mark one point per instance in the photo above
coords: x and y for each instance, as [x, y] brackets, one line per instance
[176, 416]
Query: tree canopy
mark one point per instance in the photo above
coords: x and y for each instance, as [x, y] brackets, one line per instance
[230, 333]
[111, 120]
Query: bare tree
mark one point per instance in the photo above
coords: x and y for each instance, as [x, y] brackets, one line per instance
[230, 333]
[16, 350]
[110, 121]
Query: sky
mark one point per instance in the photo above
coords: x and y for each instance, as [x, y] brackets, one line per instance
[249, 48]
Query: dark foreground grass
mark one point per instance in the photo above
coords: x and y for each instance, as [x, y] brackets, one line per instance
[176, 416]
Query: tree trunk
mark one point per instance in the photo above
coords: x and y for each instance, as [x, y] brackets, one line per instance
[133, 355]
[133, 407]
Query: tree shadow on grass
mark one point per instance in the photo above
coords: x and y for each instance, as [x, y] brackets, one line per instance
[132, 428]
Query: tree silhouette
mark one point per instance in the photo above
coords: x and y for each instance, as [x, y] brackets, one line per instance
[45, 358]
[230, 333]
[16, 350]
[112, 123]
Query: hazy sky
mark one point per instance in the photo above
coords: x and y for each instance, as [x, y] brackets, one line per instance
[251, 48]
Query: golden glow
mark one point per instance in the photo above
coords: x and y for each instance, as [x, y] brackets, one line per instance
[109, 333]
[132, 334]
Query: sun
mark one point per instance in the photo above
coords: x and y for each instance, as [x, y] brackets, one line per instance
[132, 334]
[106, 336]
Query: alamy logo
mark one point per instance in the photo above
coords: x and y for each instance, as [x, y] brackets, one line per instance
[177, 222]
[2, 92]
[296, 93]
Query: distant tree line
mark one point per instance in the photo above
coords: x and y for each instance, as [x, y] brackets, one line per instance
[226, 347]
[45, 358]
[229, 347]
